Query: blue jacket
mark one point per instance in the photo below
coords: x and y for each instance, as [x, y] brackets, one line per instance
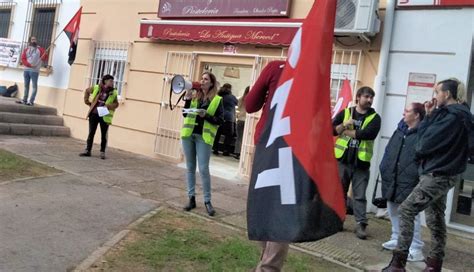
[399, 168]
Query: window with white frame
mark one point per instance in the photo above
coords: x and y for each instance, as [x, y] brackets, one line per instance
[5, 18]
[41, 23]
[110, 58]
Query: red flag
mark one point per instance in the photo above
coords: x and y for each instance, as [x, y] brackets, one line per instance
[295, 193]
[343, 99]
[72, 32]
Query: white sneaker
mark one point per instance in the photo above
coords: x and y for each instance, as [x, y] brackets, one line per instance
[390, 245]
[415, 256]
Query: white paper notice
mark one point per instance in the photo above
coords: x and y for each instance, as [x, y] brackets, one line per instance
[197, 111]
[102, 111]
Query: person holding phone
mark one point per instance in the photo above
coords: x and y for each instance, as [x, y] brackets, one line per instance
[197, 136]
[442, 150]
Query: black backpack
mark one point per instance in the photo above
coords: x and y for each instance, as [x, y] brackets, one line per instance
[11, 91]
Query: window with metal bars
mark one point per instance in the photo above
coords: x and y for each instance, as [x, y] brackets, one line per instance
[5, 18]
[110, 58]
[41, 23]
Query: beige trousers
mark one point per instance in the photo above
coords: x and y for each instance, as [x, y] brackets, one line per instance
[273, 256]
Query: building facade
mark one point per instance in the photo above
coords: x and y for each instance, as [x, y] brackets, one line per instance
[45, 19]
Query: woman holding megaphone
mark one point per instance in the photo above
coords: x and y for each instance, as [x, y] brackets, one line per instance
[203, 113]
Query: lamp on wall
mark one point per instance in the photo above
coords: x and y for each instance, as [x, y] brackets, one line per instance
[232, 72]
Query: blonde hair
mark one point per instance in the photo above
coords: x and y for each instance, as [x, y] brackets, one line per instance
[455, 87]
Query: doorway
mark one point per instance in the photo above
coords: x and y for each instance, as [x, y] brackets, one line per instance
[238, 77]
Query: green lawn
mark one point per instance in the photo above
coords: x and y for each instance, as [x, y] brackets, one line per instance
[174, 241]
[14, 167]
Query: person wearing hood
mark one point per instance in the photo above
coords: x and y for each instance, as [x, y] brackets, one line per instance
[399, 172]
[227, 129]
[442, 150]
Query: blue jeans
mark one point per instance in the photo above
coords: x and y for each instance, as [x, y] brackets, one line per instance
[194, 146]
[33, 76]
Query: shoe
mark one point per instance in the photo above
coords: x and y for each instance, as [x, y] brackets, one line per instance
[433, 265]
[21, 102]
[226, 154]
[398, 262]
[215, 152]
[191, 204]
[390, 245]
[30, 104]
[85, 154]
[237, 156]
[209, 208]
[102, 155]
[415, 256]
[360, 231]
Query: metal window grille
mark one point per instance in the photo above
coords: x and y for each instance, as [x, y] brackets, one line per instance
[41, 22]
[110, 58]
[5, 18]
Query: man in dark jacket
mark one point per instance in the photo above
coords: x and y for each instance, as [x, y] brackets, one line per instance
[442, 149]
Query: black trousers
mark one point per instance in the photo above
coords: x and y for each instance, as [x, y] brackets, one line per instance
[227, 129]
[95, 120]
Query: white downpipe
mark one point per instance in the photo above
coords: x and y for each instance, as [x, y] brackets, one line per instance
[380, 85]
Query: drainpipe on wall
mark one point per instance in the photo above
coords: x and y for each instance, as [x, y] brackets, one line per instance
[380, 85]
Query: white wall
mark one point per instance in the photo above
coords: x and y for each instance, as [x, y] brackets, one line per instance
[424, 41]
[59, 78]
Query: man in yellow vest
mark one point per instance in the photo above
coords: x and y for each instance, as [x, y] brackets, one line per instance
[356, 128]
[102, 102]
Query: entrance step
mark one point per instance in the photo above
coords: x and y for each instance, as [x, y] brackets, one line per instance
[33, 129]
[22, 118]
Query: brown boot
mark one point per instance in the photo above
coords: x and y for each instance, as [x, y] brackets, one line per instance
[398, 262]
[433, 265]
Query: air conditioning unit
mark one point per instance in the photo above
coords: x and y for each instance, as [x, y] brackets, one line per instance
[357, 17]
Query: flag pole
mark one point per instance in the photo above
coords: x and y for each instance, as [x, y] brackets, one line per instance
[49, 47]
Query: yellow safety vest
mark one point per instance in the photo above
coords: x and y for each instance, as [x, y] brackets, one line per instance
[107, 118]
[209, 130]
[366, 148]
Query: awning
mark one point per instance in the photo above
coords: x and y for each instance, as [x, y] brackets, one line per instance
[236, 32]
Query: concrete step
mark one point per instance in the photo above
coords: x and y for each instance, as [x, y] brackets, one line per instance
[38, 119]
[9, 105]
[33, 129]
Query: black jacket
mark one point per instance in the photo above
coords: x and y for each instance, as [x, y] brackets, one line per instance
[442, 146]
[399, 169]
[230, 102]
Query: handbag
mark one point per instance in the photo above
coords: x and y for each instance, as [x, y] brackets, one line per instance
[379, 202]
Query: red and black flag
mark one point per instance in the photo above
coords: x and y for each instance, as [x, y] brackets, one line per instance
[72, 32]
[295, 194]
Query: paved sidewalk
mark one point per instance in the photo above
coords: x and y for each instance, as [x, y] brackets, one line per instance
[163, 183]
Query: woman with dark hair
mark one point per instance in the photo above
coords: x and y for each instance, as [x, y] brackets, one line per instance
[442, 149]
[204, 114]
[399, 172]
[103, 95]
[229, 101]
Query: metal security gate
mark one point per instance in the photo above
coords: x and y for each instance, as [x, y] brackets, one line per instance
[345, 65]
[251, 120]
[168, 140]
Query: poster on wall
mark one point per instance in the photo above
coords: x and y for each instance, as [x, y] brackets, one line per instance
[9, 52]
[420, 87]
[223, 8]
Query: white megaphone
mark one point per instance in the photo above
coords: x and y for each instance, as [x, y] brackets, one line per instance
[179, 84]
